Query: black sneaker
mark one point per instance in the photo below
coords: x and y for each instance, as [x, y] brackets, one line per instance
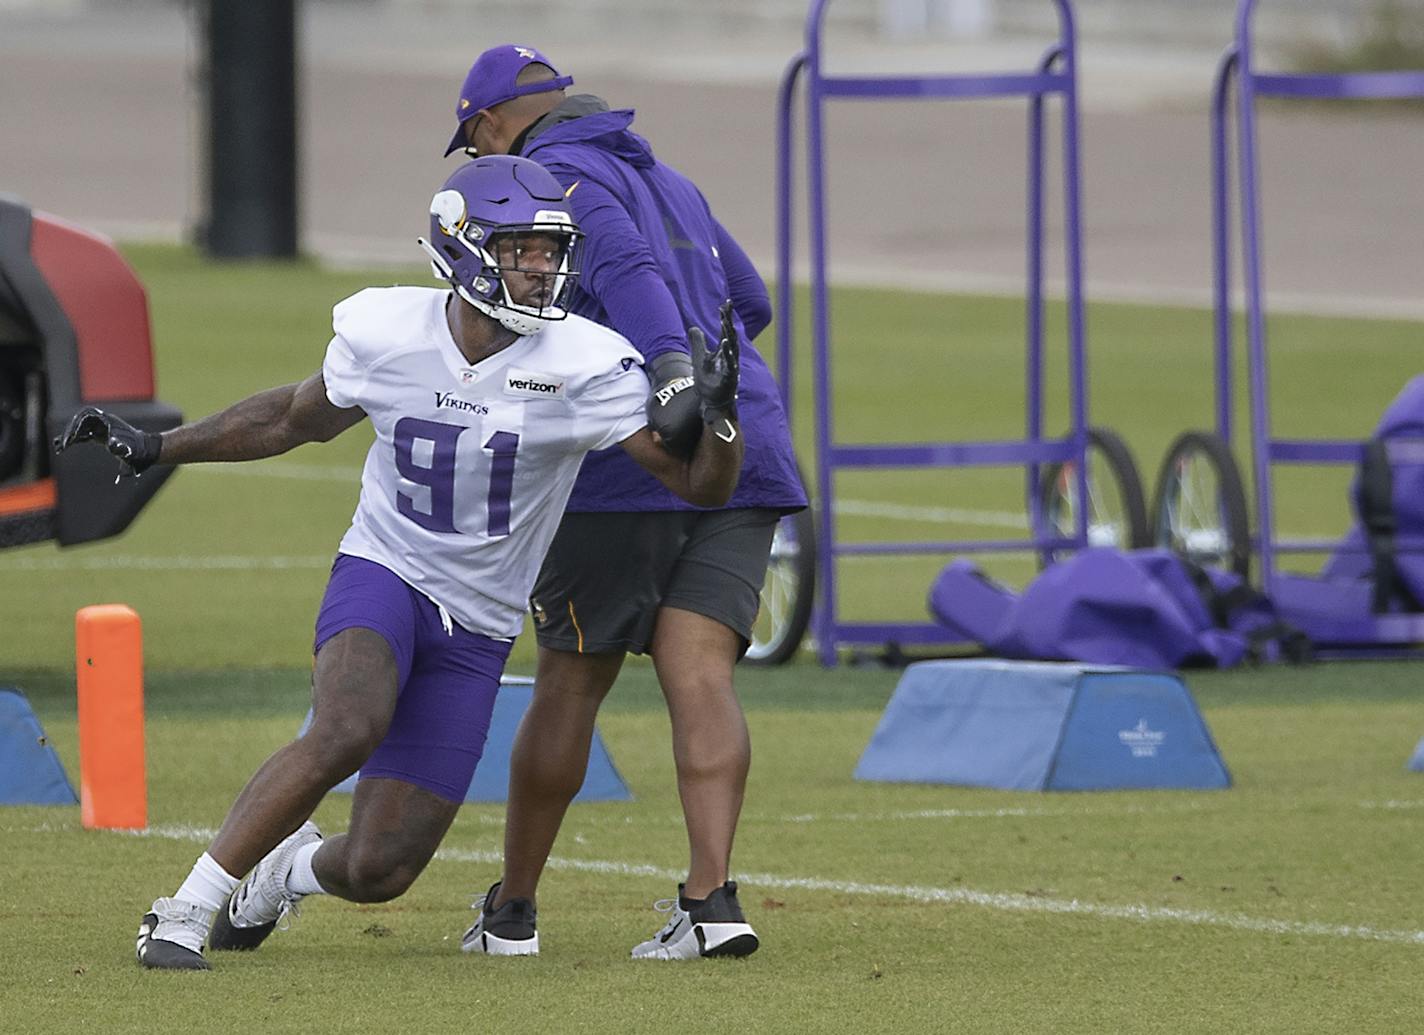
[506, 931]
[713, 927]
[261, 903]
[170, 936]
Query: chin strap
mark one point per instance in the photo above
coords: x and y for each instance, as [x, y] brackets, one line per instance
[510, 317]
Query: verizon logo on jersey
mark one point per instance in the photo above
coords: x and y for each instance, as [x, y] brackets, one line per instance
[534, 386]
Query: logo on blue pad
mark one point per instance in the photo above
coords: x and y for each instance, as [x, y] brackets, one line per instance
[1142, 741]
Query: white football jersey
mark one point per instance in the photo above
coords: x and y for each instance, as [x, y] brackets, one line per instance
[466, 482]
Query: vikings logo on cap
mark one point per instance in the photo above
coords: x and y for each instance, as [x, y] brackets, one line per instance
[494, 79]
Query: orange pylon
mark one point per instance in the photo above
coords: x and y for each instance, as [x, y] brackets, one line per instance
[109, 657]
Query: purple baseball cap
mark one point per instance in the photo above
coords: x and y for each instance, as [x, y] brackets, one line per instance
[491, 81]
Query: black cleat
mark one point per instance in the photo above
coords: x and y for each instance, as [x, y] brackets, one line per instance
[506, 931]
[713, 927]
[227, 935]
[261, 902]
[159, 933]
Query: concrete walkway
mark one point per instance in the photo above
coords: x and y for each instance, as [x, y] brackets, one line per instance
[100, 123]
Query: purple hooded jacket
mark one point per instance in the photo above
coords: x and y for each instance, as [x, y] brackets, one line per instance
[656, 262]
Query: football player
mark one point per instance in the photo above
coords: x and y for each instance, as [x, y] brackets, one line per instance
[484, 399]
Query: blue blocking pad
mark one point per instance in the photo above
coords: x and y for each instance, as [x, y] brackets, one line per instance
[1416, 761]
[30, 772]
[1042, 726]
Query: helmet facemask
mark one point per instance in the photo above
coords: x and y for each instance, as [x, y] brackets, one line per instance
[515, 273]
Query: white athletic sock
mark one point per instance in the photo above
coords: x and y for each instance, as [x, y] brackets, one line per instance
[301, 878]
[208, 884]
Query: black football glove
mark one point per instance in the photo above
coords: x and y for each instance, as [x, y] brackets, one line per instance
[716, 373]
[674, 409]
[137, 450]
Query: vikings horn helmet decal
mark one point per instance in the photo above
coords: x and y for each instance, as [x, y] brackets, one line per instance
[502, 234]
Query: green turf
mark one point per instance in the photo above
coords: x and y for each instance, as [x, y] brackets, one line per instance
[1319, 834]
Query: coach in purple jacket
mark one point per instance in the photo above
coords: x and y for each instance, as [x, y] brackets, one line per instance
[633, 568]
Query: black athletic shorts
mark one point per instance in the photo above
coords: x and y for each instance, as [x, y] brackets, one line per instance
[606, 575]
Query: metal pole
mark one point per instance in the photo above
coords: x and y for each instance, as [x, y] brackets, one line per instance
[1221, 244]
[1073, 229]
[825, 619]
[1255, 293]
[785, 222]
[1034, 301]
[251, 167]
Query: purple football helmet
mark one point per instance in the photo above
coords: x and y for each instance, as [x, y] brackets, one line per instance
[485, 223]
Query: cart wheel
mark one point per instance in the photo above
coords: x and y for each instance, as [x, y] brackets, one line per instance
[1199, 510]
[1117, 507]
[788, 593]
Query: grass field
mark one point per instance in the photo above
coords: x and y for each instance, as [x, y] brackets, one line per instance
[1291, 902]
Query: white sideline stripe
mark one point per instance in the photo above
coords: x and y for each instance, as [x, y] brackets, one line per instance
[1003, 813]
[954, 515]
[1001, 901]
[854, 508]
[872, 817]
[173, 832]
[848, 507]
[299, 472]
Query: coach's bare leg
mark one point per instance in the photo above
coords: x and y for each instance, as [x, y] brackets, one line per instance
[549, 759]
[353, 698]
[395, 829]
[694, 657]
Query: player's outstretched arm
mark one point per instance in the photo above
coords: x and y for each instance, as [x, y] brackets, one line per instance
[709, 477]
[261, 425]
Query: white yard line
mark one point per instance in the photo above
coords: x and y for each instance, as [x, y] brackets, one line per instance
[1013, 519]
[1001, 901]
[877, 817]
[351, 473]
[948, 515]
[1003, 813]
[594, 819]
[851, 507]
[999, 519]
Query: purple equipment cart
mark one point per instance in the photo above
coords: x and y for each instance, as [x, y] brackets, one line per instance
[1065, 511]
[1200, 506]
